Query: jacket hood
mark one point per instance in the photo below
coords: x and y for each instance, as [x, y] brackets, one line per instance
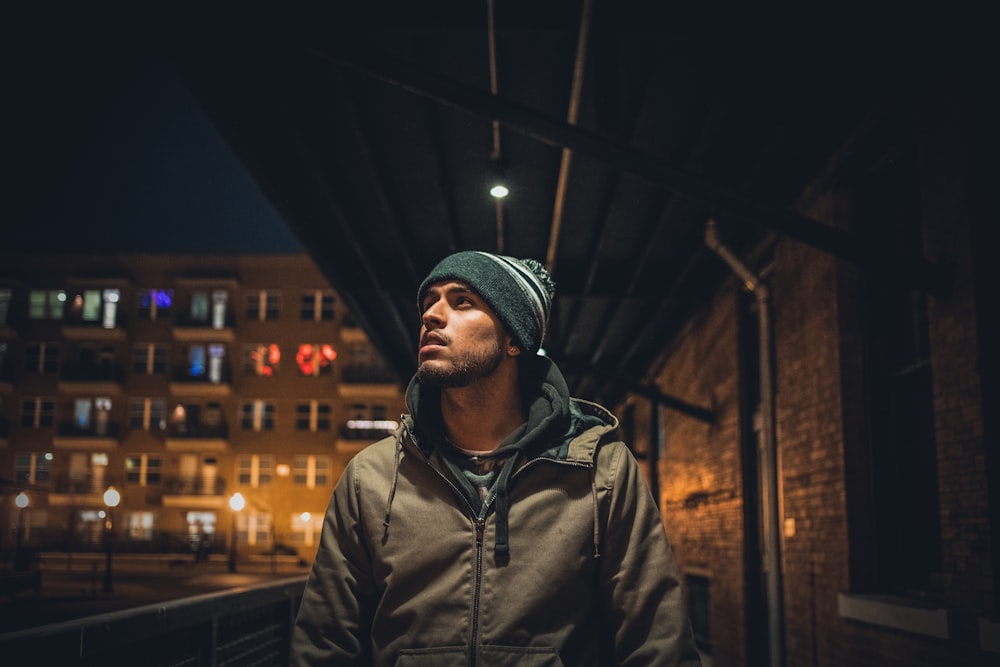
[554, 419]
[557, 427]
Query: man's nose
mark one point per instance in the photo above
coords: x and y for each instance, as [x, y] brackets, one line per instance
[434, 316]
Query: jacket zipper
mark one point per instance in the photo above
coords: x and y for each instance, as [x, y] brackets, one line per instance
[479, 524]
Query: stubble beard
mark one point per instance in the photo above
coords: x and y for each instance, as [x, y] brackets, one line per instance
[464, 370]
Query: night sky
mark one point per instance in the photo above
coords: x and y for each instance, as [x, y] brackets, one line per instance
[104, 150]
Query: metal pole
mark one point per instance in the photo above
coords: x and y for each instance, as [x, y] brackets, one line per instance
[108, 588]
[232, 545]
[770, 462]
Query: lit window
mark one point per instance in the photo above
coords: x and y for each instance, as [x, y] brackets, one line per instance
[141, 526]
[306, 527]
[257, 416]
[313, 416]
[196, 361]
[32, 468]
[262, 359]
[263, 305]
[148, 414]
[85, 306]
[199, 307]
[254, 528]
[318, 306]
[315, 359]
[109, 312]
[143, 469]
[311, 471]
[153, 304]
[219, 299]
[255, 470]
[46, 304]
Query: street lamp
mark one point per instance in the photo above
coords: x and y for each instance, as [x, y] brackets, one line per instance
[111, 500]
[236, 502]
[21, 501]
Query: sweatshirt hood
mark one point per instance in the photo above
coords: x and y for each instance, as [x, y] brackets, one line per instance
[553, 419]
[556, 427]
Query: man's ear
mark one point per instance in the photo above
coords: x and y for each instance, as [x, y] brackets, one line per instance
[512, 349]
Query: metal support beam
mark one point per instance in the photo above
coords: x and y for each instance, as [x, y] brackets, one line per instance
[659, 398]
[791, 224]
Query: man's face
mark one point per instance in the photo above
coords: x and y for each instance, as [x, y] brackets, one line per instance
[461, 339]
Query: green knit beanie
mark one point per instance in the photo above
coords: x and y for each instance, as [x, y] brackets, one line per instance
[518, 290]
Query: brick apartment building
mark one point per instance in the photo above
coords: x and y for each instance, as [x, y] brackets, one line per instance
[883, 414]
[179, 381]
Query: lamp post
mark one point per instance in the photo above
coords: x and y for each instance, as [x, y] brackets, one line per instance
[111, 500]
[21, 501]
[236, 502]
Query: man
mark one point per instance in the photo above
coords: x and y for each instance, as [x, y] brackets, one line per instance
[503, 523]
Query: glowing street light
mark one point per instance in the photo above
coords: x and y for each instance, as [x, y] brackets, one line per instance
[111, 499]
[21, 501]
[236, 502]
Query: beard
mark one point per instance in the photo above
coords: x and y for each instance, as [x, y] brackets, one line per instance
[464, 370]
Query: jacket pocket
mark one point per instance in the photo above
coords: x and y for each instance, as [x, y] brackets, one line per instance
[519, 656]
[439, 656]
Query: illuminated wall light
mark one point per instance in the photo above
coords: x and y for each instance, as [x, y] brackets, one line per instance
[499, 191]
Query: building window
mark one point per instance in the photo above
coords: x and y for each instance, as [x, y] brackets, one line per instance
[38, 412]
[318, 306]
[41, 357]
[257, 416]
[92, 415]
[903, 487]
[315, 359]
[46, 304]
[154, 304]
[368, 422]
[33, 467]
[140, 526]
[313, 416]
[210, 365]
[306, 528]
[95, 306]
[143, 469]
[150, 359]
[263, 305]
[262, 359]
[254, 528]
[147, 414]
[199, 307]
[311, 471]
[255, 469]
[209, 308]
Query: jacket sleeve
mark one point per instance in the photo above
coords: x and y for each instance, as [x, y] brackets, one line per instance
[640, 585]
[333, 626]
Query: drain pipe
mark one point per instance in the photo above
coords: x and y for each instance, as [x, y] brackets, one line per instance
[770, 458]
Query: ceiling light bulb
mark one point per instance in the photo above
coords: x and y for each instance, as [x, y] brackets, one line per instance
[499, 191]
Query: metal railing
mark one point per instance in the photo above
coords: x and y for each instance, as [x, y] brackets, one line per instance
[247, 626]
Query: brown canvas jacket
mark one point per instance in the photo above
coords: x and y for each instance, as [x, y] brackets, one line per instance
[406, 575]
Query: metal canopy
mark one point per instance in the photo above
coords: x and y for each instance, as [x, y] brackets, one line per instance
[376, 131]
